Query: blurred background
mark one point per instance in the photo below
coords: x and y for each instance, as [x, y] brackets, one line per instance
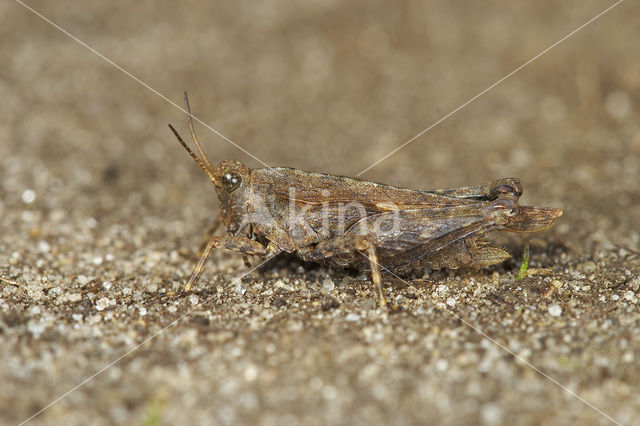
[331, 87]
[320, 85]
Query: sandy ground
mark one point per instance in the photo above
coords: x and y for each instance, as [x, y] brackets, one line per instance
[101, 213]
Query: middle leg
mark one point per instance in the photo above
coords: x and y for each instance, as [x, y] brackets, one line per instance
[350, 246]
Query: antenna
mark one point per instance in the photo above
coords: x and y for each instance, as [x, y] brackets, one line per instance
[193, 134]
[194, 156]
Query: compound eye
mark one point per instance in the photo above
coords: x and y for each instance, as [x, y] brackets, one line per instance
[231, 181]
[504, 190]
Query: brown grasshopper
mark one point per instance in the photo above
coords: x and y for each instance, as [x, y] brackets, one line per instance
[352, 223]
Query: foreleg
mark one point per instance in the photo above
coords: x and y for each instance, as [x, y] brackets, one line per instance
[244, 245]
[209, 234]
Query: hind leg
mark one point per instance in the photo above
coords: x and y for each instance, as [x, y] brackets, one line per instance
[501, 188]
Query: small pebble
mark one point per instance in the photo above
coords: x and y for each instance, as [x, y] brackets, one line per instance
[44, 247]
[353, 317]
[240, 288]
[296, 325]
[492, 414]
[442, 365]
[151, 286]
[630, 296]
[102, 303]
[555, 310]
[36, 328]
[251, 373]
[587, 267]
[282, 285]
[29, 196]
[328, 284]
[74, 297]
